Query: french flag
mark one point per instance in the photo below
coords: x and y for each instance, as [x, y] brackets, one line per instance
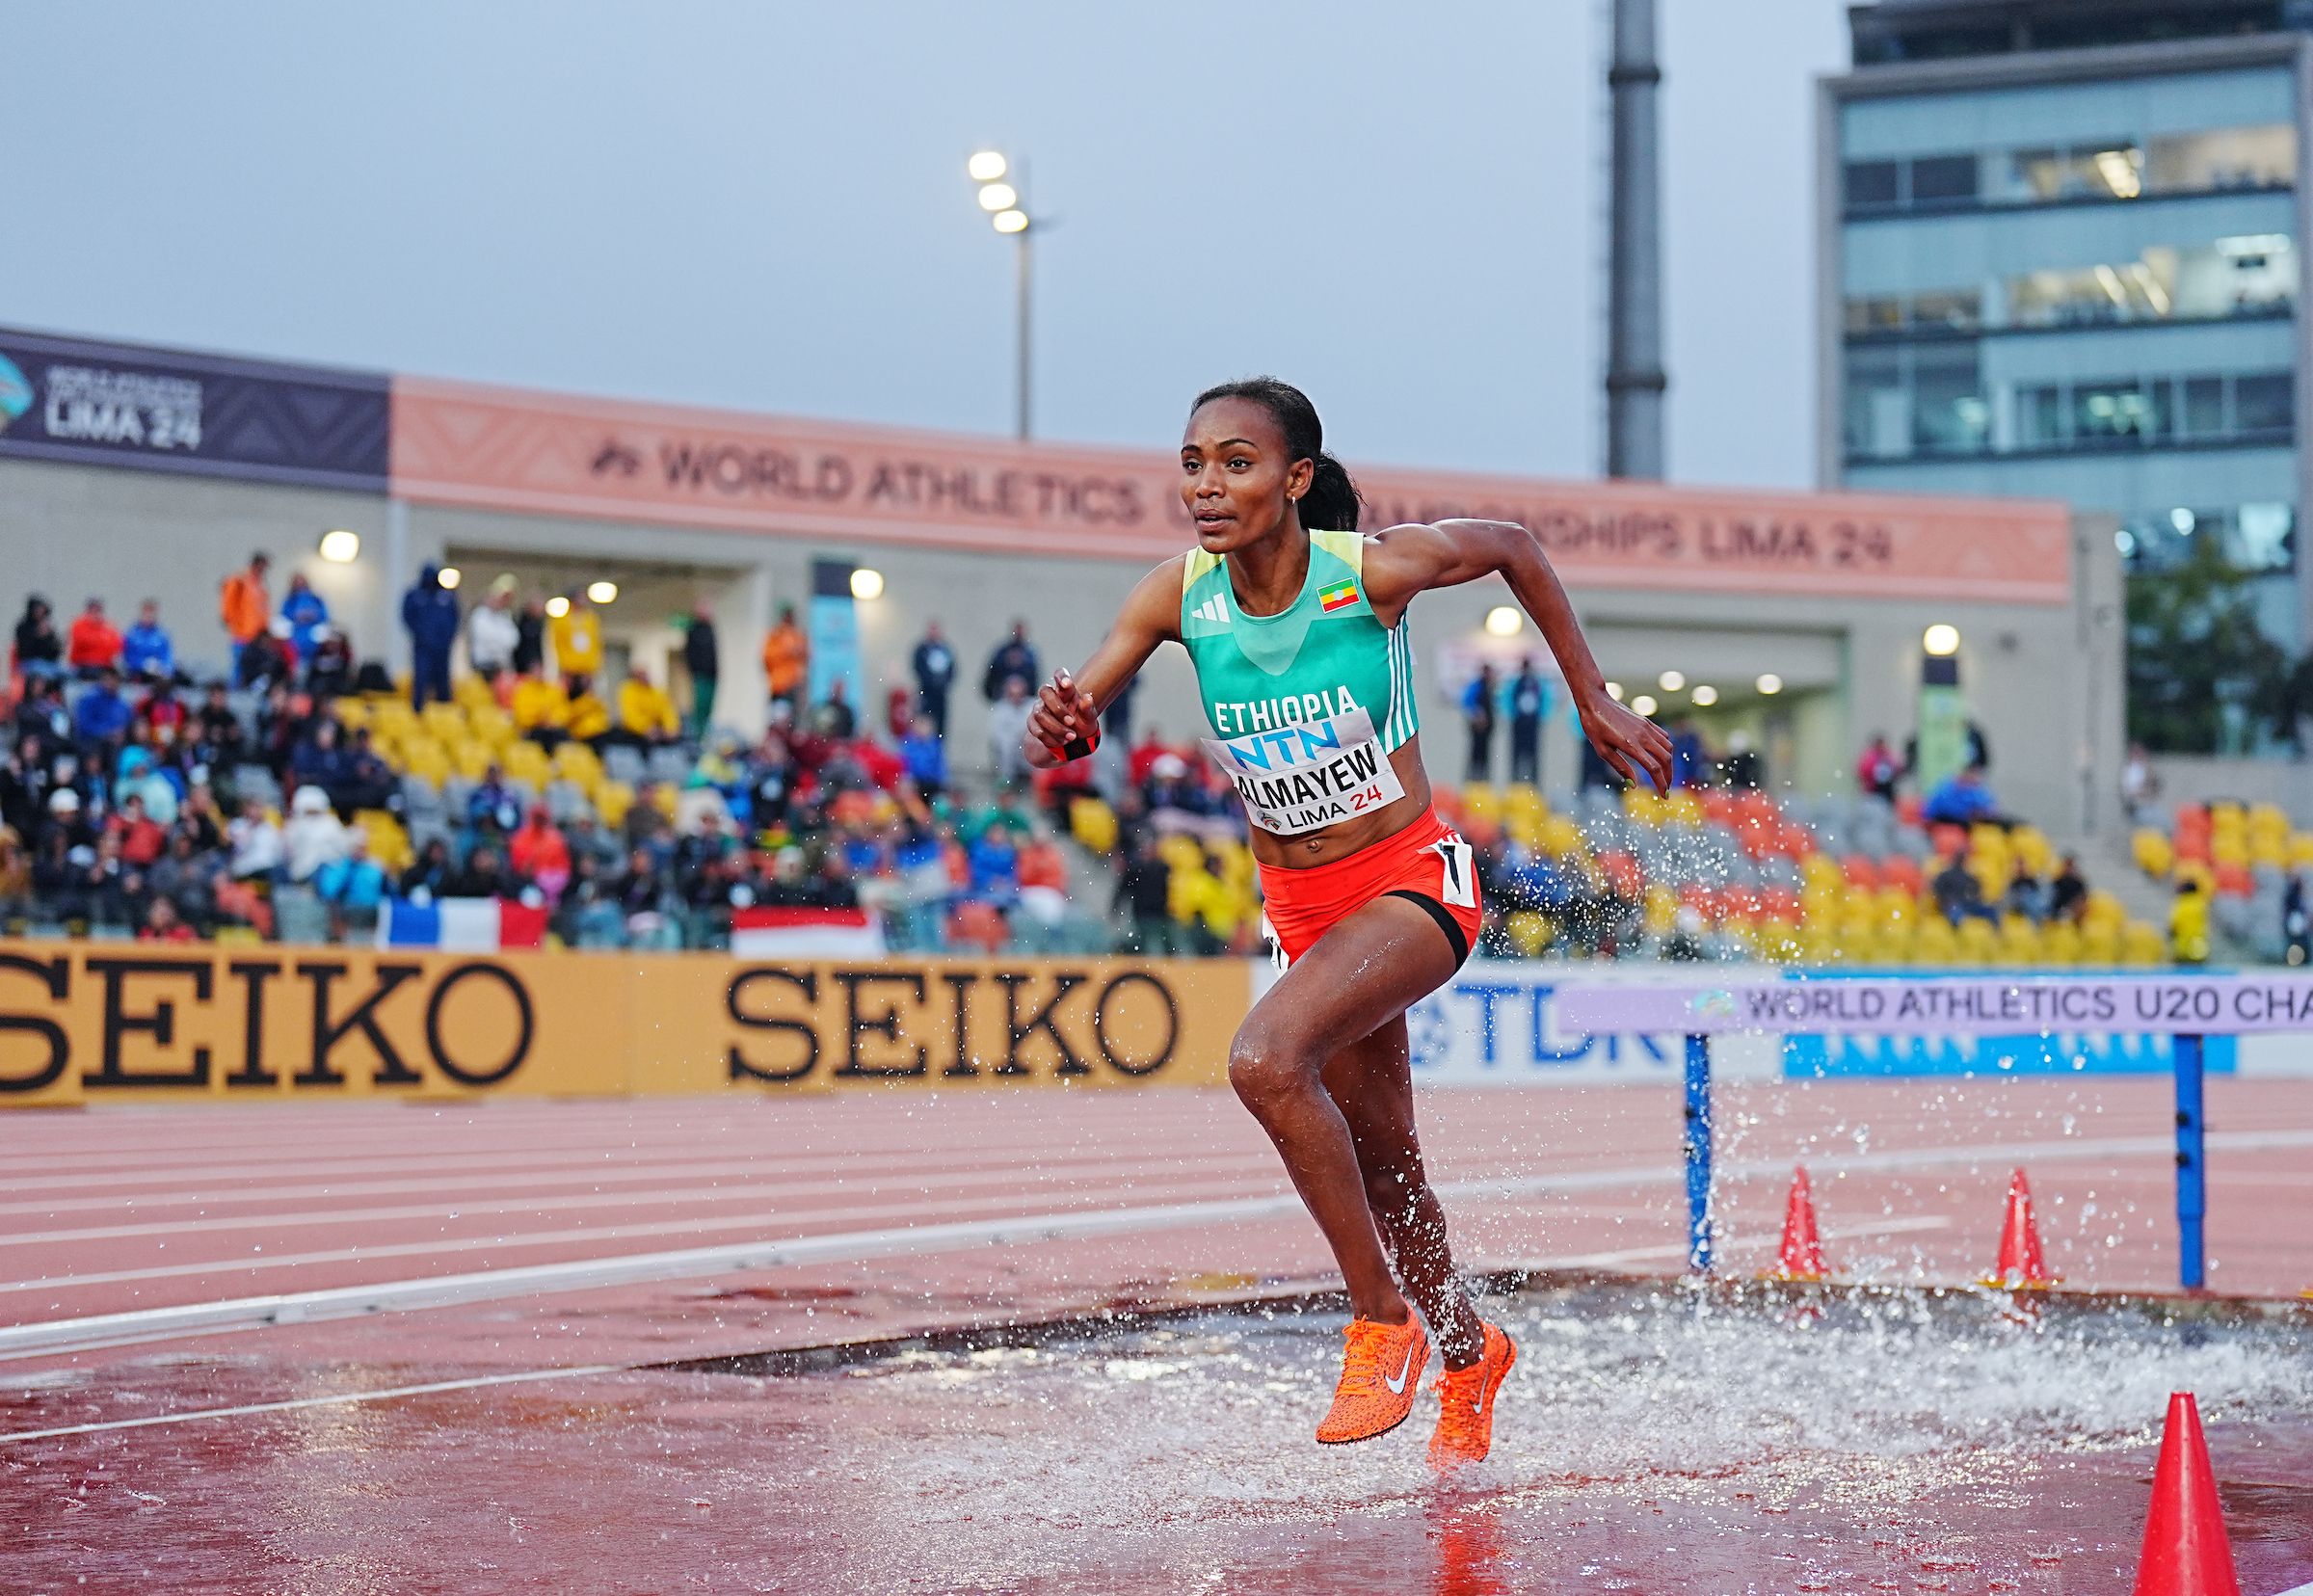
[462, 925]
[803, 933]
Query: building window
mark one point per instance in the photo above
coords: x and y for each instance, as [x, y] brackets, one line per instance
[2250, 275]
[2254, 538]
[1930, 399]
[2225, 160]
[1870, 185]
[1949, 415]
[2265, 406]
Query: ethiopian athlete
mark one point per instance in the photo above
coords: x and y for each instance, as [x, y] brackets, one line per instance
[1296, 624]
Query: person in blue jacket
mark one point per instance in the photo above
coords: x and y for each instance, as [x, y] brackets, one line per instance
[429, 611]
[309, 616]
[147, 652]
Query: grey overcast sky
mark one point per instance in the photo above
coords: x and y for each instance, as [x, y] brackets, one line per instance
[763, 205]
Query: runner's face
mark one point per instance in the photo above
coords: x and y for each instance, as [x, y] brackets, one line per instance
[1236, 477]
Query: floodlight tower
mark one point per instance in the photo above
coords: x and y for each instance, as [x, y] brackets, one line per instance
[1007, 209]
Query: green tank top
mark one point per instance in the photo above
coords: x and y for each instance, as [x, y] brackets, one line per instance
[1325, 655]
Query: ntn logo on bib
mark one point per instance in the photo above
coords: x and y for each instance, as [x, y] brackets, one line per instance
[1306, 775]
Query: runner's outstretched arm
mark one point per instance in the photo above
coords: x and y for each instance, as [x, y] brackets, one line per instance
[1069, 707]
[1406, 560]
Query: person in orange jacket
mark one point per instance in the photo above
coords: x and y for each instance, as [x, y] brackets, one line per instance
[788, 658]
[244, 604]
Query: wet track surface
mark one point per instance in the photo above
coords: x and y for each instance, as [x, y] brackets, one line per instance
[1653, 1439]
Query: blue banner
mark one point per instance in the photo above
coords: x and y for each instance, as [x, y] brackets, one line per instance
[86, 403]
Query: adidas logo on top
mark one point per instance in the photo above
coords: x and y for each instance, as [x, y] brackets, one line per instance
[1212, 609]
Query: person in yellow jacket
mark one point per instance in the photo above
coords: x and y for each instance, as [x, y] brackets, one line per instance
[575, 636]
[787, 659]
[2188, 925]
[541, 709]
[590, 716]
[645, 710]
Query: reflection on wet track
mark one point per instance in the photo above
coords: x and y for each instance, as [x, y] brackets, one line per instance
[1654, 1439]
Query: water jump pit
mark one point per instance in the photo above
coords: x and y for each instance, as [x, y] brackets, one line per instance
[1656, 1436]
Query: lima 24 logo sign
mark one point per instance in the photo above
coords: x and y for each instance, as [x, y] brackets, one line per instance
[15, 392]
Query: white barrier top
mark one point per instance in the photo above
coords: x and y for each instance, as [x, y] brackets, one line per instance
[1950, 1005]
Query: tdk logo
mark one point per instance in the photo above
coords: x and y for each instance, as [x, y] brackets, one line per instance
[16, 391]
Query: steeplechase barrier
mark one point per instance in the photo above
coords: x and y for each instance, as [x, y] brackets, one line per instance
[2188, 1009]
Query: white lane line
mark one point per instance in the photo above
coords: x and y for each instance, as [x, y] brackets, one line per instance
[1572, 1262]
[144, 1172]
[342, 1399]
[88, 1332]
[47, 1337]
[1047, 1173]
[696, 1225]
[847, 1170]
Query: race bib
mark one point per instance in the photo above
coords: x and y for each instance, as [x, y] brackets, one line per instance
[1301, 778]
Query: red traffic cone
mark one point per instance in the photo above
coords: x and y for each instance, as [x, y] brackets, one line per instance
[2020, 1268]
[2185, 1550]
[1802, 1255]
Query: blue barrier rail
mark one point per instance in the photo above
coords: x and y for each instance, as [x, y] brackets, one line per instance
[2191, 1159]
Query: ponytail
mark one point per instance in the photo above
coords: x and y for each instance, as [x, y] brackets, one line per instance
[1332, 502]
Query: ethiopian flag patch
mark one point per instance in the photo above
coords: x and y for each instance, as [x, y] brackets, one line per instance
[1340, 595]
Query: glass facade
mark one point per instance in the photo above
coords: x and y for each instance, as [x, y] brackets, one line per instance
[2084, 290]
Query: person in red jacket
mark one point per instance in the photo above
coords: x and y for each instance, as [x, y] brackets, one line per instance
[95, 642]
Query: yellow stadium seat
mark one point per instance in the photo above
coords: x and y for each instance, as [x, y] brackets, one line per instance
[1643, 804]
[612, 800]
[1523, 800]
[1481, 801]
[2193, 870]
[1682, 807]
[2142, 944]
[2152, 852]
[1660, 907]
[1935, 942]
[2060, 943]
[473, 693]
[2033, 850]
[2019, 942]
[445, 720]
[2101, 912]
[1530, 933]
[352, 712]
[2100, 943]
[1093, 823]
[1181, 851]
[1562, 838]
[2300, 849]
[473, 760]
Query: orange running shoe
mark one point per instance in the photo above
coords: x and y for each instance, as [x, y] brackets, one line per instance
[1381, 1372]
[1466, 1403]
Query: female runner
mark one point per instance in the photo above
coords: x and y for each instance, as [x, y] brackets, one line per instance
[1296, 625]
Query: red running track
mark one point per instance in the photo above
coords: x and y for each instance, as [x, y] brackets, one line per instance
[130, 1210]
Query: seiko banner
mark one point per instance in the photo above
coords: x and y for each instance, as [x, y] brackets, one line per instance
[103, 404]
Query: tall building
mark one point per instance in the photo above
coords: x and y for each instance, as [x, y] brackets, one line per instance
[2060, 258]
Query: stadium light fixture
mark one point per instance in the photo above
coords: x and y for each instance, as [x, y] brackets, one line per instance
[1671, 681]
[1614, 691]
[340, 546]
[1770, 684]
[602, 593]
[1941, 640]
[1645, 703]
[449, 576]
[558, 606]
[1705, 695]
[866, 582]
[1503, 621]
[1006, 204]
